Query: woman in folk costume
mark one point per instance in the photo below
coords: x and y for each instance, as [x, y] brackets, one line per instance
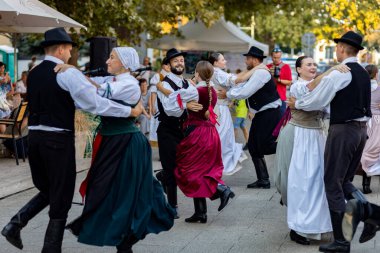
[300, 165]
[232, 152]
[199, 160]
[370, 160]
[124, 202]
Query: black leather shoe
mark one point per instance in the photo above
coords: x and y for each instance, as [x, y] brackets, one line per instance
[298, 238]
[339, 244]
[369, 232]
[12, 233]
[366, 184]
[202, 218]
[336, 246]
[259, 184]
[225, 194]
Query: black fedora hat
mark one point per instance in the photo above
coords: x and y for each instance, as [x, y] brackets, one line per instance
[351, 38]
[255, 52]
[172, 53]
[56, 36]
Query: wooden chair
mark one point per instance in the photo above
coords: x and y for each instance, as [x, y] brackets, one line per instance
[16, 132]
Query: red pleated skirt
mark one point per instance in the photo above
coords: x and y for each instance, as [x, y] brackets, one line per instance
[199, 161]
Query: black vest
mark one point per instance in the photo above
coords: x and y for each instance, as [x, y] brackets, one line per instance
[49, 104]
[170, 121]
[266, 95]
[353, 101]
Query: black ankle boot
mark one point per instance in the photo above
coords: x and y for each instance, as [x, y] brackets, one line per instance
[369, 232]
[298, 238]
[12, 230]
[200, 214]
[171, 192]
[339, 244]
[262, 174]
[366, 184]
[225, 194]
[54, 236]
[126, 245]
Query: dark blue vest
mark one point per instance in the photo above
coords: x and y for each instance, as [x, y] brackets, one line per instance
[49, 104]
[266, 95]
[170, 121]
[353, 101]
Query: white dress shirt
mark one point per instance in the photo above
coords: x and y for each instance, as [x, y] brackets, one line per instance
[84, 95]
[244, 90]
[325, 92]
[170, 103]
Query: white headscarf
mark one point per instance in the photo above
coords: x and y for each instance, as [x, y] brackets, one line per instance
[128, 57]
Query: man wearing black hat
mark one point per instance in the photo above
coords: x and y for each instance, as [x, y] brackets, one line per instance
[52, 100]
[172, 116]
[349, 97]
[263, 100]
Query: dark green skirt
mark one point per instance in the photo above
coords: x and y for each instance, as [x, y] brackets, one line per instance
[134, 203]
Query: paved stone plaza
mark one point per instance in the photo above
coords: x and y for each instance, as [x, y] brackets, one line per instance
[254, 222]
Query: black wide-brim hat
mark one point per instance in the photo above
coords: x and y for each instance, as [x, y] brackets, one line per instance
[351, 38]
[172, 53]
[56, 36]
[255, 52]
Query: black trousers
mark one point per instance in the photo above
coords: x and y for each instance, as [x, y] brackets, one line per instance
[52, 163]
[344, 148]
[168, 138]
[261, 141]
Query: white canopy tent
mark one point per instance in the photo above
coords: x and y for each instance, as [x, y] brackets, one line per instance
[222, 36]
[31, 16]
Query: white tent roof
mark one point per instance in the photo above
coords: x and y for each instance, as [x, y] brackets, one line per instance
[222, 36]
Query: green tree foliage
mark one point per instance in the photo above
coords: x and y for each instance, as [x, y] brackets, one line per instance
[277, 21]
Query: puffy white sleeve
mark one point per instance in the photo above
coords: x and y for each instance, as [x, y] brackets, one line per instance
[85, 95]
[125, 90]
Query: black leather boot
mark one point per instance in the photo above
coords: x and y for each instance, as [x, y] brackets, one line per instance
[339, 244]
[369, 232]
[171, 192]
[54, 236]
[225, 194]
[126, 245]
[298, 238]
[366, 184]
[200, 214]
[12, 230]
[262, 174]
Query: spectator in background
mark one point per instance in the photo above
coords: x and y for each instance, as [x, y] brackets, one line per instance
[32, 63]
[21, 84]
[282, 75]
[6, 91]
[146, 74]
[239, 122]
[143, 119]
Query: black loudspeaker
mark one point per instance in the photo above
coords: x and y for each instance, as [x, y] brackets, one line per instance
[100, 49]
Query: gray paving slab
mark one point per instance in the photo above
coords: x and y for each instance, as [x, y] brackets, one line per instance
[254, 221]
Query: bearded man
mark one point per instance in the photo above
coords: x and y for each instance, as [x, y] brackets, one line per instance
[172, 116]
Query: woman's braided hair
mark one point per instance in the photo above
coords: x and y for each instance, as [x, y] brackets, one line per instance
[205, 71]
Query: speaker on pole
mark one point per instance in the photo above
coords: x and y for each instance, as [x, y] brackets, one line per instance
[100, 49]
